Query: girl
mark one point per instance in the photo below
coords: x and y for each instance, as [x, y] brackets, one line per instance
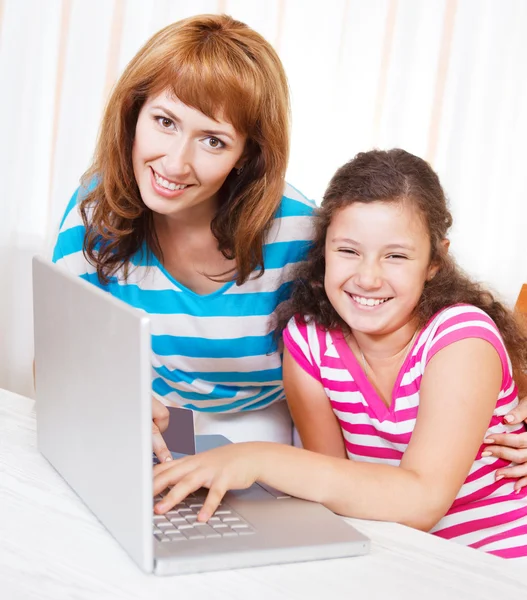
[397, 368]
[185, 214]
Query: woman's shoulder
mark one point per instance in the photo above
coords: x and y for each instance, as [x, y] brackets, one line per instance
[295, 204]
[293, 222]
[69, 242]
[72, 216]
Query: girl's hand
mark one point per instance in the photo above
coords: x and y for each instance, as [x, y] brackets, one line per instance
[219, 470]
[512, 446]
[160, 418]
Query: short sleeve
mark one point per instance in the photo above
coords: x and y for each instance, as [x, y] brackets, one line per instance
[465, 321]
[68, 248]
[296, 340]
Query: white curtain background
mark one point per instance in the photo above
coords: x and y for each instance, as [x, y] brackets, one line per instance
[444, 79]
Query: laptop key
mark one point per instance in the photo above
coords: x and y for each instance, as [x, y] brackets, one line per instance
[247, 531]
[192, 534]
[177, 519]
[228, 533]
[171, 531]
[207, 531]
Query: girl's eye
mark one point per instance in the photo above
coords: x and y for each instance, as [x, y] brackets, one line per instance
[348, 251]
[215, 143]
[396, 256]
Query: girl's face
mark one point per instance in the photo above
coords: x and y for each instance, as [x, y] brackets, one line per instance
[377, 262]
[181, 157]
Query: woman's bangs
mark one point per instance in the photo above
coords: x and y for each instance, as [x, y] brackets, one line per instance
[217, 93]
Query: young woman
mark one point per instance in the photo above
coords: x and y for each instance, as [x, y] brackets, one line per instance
[185, 214]
[397, 369]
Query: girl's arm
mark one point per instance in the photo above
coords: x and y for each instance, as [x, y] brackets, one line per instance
[309, 405]
[458, 395]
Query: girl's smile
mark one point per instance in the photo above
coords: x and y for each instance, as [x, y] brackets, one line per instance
[368, 302]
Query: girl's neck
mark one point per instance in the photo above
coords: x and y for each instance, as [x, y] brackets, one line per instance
[386, 347]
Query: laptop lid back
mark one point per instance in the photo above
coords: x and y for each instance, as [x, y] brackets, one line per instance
[93, 401]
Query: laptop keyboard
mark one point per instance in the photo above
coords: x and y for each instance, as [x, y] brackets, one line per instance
[180, 523]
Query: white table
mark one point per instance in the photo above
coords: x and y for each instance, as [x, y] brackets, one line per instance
[52, 547]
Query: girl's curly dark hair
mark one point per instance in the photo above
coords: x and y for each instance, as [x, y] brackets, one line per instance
[397, 176]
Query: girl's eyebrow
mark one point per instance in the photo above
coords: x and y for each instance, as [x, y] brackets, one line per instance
[396, 246]
[400, 246]
[178, 121]
[346, 241]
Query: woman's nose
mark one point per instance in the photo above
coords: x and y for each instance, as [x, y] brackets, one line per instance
[178, 159]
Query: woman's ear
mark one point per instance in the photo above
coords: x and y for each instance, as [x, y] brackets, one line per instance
[434, 266]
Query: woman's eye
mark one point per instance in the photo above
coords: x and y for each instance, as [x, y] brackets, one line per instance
[213, 142]
[165, 122]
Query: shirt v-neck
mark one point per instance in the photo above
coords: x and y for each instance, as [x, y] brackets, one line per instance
[367, 389]
[183, 288]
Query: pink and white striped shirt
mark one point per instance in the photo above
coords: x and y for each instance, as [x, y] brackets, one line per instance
[486, 514]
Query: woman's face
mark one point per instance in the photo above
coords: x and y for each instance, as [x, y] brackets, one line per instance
[181, 157]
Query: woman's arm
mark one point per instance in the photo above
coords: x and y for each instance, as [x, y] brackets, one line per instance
[309, 405]
[513, 446]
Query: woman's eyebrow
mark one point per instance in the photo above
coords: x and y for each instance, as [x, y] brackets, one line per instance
[213, 132]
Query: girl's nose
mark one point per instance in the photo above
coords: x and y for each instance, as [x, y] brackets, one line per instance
[369, 276]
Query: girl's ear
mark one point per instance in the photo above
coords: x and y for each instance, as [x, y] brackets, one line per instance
[434, 266]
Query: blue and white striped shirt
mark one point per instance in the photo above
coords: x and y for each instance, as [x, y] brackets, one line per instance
[210, 352]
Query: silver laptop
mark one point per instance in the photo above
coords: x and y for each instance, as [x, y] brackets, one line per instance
[93, 387]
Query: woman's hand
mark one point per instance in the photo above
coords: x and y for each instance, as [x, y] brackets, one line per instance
[160, 418]
[512, 446]
[219, 470]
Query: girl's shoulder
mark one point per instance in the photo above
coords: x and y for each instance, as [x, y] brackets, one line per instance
[459, 317]
[461, 322]
[307, 342]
